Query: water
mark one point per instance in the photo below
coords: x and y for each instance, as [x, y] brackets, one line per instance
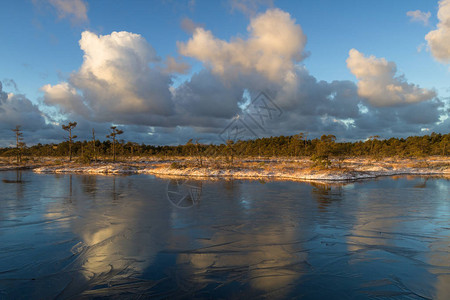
[134, 237]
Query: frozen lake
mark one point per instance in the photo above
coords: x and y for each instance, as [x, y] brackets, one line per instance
[84, 236]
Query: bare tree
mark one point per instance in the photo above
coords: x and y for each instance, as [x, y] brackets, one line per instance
[112, 136]
[19, 143]
[70, 137]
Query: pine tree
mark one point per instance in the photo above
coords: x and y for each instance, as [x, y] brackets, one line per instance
[112, 136]
[70, 137]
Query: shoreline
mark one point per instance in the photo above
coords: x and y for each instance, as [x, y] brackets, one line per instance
[350, 169]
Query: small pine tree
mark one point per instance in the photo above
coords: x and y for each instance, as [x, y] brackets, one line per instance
[70, 137]
[112, 136]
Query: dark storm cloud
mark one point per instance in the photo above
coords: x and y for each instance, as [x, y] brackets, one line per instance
[16, 109]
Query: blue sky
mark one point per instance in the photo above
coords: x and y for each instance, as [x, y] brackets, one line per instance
[40, 47]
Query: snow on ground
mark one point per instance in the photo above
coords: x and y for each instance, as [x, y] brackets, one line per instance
[319, 175]
[90, 169]
[352, 169]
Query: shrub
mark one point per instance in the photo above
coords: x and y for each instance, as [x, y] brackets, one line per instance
[321, 161]
[176, 165]
[86, 158]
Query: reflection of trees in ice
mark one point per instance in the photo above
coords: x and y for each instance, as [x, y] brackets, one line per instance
[89, 185]
[326, 193]
[13, 189]
[16, 179]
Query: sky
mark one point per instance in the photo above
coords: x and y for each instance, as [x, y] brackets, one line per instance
[168, 71]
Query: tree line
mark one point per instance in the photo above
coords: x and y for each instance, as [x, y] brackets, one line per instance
[320, 150]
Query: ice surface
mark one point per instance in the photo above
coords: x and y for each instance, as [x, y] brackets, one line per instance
[88, 236]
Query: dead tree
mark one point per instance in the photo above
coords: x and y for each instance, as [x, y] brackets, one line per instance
[19, 143]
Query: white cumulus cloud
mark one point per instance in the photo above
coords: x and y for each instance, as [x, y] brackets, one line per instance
[439, 39]
[117, 80]
[274, 44]
[123, 81]
[379, 84]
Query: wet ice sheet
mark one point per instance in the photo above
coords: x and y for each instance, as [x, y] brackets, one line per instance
[75, 236]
